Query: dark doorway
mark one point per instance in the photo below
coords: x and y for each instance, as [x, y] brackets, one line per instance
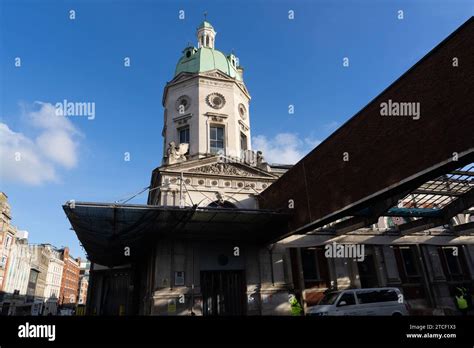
[116, 292]
[5, 308]
[223, 292]
[367, 273]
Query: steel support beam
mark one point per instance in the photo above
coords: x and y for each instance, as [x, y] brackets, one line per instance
[375, 211]
[464, 229]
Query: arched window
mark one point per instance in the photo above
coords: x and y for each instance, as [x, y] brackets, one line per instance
[207, 41]
[225, 204]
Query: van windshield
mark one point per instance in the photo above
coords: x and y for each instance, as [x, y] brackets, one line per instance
[330, 298]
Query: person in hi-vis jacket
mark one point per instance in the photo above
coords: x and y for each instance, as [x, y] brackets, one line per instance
[296, 309]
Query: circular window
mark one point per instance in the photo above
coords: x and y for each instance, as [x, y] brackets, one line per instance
[201, 182]
[227, 183]
[242, 111]
[214, 183]
[183, 103]
[240, 184]
[215, 100]
[264, 186]
[187, 181]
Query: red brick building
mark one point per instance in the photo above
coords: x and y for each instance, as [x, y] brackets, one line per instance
[70, 281]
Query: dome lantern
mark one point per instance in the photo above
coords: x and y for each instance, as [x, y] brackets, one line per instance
[206, 35]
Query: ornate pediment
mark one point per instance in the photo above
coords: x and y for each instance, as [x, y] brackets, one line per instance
[220, 168]
[216, 73]
[181, 77]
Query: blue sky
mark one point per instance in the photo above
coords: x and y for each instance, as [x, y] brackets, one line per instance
[296, 62]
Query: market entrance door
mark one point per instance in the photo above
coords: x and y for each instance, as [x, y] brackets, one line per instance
[223, 292]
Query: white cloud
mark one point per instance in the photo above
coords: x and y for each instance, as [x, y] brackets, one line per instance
[35, 160]
[284, 148]
[46, 118]
[20, 160]
[59, 147]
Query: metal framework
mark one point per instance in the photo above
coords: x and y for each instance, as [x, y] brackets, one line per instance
[432, 204]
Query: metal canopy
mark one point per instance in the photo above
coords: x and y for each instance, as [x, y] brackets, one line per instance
[105, 230]
[431, 204]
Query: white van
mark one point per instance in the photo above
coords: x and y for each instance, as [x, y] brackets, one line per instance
[371, 301]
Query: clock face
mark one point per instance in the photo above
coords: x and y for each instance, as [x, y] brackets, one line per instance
[242, 111]
[215, 100]
[183, 103]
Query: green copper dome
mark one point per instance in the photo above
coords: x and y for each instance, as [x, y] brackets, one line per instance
[206, 59]
[205, 24]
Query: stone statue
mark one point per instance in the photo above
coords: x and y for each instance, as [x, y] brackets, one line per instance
[176, 154]
[261, 162]
[220, 197]
[260, 158]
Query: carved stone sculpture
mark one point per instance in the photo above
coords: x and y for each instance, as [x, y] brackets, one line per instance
[261, 164]
[176, 154]
[220, 197]
[221, 168]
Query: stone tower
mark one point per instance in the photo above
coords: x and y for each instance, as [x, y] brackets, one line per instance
[206, 104]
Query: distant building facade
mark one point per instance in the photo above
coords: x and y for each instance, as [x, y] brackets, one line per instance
[7, 235]
[84, 270]
[20, 265]
[53, 282]
[45, 275]
[69, 292]
[31, 276]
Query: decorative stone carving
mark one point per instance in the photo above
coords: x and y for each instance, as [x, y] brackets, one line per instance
[182, 104]
[221, 168]
[216, 117]
[243, 126]
[220, 197]
[215, 100]
[180, 120]
[176, 154]
[242, 111]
